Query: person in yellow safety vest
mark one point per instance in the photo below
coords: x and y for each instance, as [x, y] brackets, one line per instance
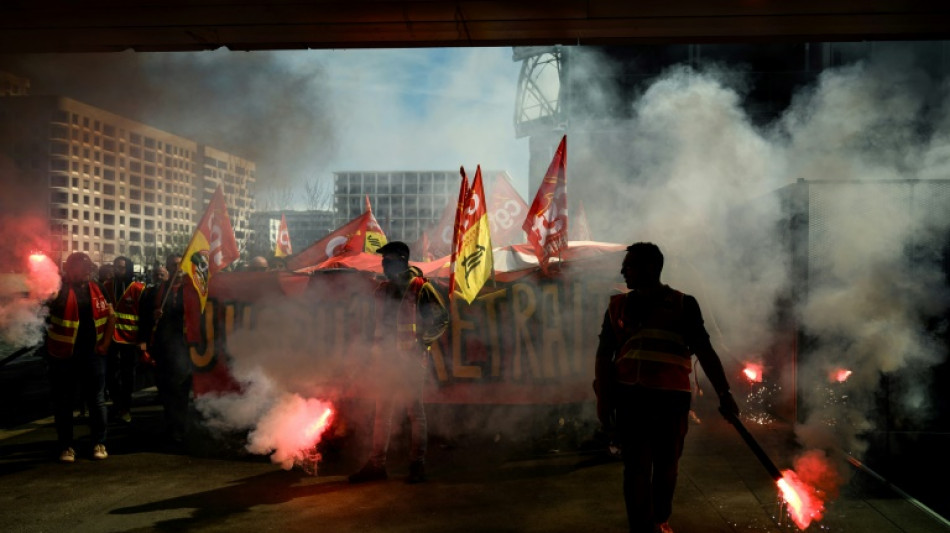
[410, 316]
[124, 294]
[642, 383]
[77, 338]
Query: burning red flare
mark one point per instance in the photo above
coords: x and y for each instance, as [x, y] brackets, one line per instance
[804, 505]
[841, 375]
[316, 428]
[753, 372]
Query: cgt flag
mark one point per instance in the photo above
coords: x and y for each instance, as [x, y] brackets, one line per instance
[372, 238]
[459, 207]
[212, 247]
[362, 234]
[546, 224]
[505, 209]
[474, 262]
[283, 248]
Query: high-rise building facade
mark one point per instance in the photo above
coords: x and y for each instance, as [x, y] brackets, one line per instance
[405, 203]
[110, 185]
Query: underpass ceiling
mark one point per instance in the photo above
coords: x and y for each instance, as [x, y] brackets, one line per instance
[28, 26]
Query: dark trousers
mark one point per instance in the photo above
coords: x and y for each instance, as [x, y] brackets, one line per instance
[173, 378]
[651, 425]
[121, 379]
[87, 373]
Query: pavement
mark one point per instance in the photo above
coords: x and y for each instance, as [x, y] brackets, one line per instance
[481, 481]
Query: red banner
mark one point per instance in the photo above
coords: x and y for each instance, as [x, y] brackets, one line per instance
[525, 340]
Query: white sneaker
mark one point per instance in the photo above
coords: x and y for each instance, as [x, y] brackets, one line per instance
[99, 452]
[68, 456]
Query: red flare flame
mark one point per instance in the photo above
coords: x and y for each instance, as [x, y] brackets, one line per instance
[753, 372]
[841, 375]
[803, 501]
[316, 428]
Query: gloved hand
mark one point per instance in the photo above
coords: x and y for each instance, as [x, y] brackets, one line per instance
[728, 406]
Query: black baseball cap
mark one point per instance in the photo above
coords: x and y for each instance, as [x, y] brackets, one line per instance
[395, 248]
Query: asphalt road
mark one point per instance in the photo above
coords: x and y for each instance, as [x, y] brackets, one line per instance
[482, 481]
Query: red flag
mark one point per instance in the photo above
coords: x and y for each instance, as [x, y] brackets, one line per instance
[583, 230]
[505, 208]
[283, 248]
[440, 234]
[463, 197]
[212, 247]
[358, 235]
[422, 250]
[546, 223]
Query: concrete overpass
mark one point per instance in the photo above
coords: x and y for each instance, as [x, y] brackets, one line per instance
[191, 25]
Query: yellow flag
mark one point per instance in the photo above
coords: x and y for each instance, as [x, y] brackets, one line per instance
[474, 263]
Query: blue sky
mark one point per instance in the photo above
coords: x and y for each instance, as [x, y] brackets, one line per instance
[424, 109]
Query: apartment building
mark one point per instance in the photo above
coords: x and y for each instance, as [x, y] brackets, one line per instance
[110, 185]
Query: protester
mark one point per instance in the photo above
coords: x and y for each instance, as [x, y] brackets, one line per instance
[105, 273]
[410, 316]
[77, 339]
[124, 295]
[257, 264]
[168, 348]
[642, 383]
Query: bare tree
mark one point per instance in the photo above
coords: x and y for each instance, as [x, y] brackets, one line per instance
[275, 198]
[319, 193]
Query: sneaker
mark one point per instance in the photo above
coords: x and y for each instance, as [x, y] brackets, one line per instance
[68, 456]
[417, 472]
[664, 528]
[369, 472]
[124, 416]
[99, 452]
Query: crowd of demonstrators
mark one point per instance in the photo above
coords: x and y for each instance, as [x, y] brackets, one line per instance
[78, 336]
[642, 368]
[410, 316]
[124, 294]
[642, 363]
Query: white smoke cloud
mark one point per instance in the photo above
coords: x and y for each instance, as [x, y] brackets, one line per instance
[695, 175]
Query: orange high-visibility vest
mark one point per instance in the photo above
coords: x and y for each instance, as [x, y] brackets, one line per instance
[653, 353]
[126, 312]
[63, 329]
[407, 338]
